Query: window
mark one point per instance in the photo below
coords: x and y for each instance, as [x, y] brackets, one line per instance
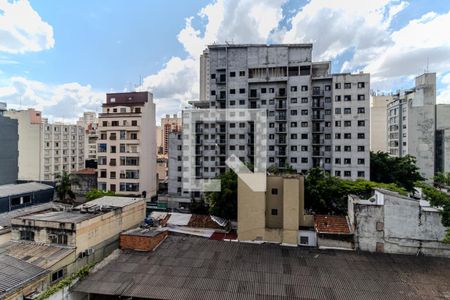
[232, 91]
[304, 148]
[347, 136]
[213, 76]
[337, 98]
[293, 88]
[361, 174]
[293, 136]
[241, 91]
[347, 148]
[304, 124]
[337, 136]
[263, 90]
[293, 112]
[361, 97]
[241, 73]
[274, 191]
[293, 124]
[213, 92]
[304, 160]
[304, 88]
[361, 123]
[328, 88]
[361, 161]
[347, 173]
[304, 100]
[361, 110]
[337, 148]
[347, 110]
[337, 161]
[27, 235]
[337, 111]
[304, 112]
[361, 136]
[232, 74]
[293, 100]
[337, 173]
[361, 148]
[274, 212]
[347, 123]
[337, 86]
[241, 102]
[347, 161]
[347, 85]
[271, 90]
[57, 275]
[294, 160]
[293, 148]
[304, 136]
[347, 98]
[361, 85]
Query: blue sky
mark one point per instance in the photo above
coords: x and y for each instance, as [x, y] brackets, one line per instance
[63, 56]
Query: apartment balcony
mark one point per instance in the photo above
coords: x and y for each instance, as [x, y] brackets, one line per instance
[316, 117]
[222, 142]
[199, 131]
[221, 97]
[221, 80]
[253, 96]
[281, 106]
[254, 105]
[318, 129]
[318, 141]
[280, 118]
[281, 141]
[318, 105]
[280, 130]
[318, 153]
[281, 153]
[281, 95]
[317, 93]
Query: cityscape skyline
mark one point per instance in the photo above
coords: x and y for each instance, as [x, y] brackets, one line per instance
[169, 69]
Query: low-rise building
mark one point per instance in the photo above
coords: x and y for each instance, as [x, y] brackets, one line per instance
[85, 181]
[274, 215]
[391, 223]
[16, 196]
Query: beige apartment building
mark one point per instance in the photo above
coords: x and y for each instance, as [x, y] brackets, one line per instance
[378, 124]
[274, 215]
[127, 144]
[45, 149]
[169, 124]
[89, 122]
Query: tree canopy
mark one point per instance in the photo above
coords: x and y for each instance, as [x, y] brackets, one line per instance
[63, 187]
[94, 194]
[224, 203]
[399, 170]
[442, 179]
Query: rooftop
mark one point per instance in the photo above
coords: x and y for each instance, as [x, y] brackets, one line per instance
[111, 201]
[5, 218]
[331, 224]
[14, 273]
[22, 188]
[43, 256]
[231, 45]
[196, 268]
[58, 216]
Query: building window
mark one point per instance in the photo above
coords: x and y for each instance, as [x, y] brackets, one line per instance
[347, 173]
[304, 112]
[232, 74]
[361, 161]
[347, 161]
[58, 274]
[274, 191]
[361, 85]
[241, 73]
[304, 88]
[274, 212]
[361, 110]
[337, 161]
[304, 240]
[293, 160]
[347, 136]
[337, 111]
[293, 100]
[337, 86]
[361, 174]
[27, 235]
[337, 173]
[347, 110]
[361, 123]
[347, 123]
[293, 88]
[293, 112]
[293, 124]
[304, 124]
[241, 91]
[232, 91]
[361, 148]
[361, 97]
[361, 136]
[347, 85]
[304, 160]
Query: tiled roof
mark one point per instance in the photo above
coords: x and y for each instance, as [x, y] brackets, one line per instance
[331, 224]
[15, 273]
[196, 268]
[86, 172]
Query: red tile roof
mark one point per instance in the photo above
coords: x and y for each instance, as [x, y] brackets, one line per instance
[86, 171]
[331, 224]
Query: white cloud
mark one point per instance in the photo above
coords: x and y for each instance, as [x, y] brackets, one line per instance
[59, 102]
[22, 29]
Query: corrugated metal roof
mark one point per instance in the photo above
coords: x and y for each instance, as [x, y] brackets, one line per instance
[196, 268]
[112, 201]
[23, 188]
[59, 216]
[5, 218]
[43, 256]
[14, 273]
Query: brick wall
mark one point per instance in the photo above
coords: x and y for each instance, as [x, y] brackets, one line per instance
[140, 242]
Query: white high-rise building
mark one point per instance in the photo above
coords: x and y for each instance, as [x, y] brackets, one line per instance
[45, 150]
[126, 152]
[89, 122]
[315, 118]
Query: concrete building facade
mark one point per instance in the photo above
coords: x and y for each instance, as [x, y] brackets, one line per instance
[443, 138]
[126, 150]
[391, 223]
[378, 125]
[411, 123]
[45, 149]
[9, 155]
[274, 215]
[89, 122]
[315, 118]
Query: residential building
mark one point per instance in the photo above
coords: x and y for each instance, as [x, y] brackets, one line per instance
[159, 147]
[314, 118]
[392, 223]
[274, 215]
[204, 76]
[17, 196]
[9, 155]
[169, 124]
[443, 138]
[45, 149]
[89, 122]
[85, 181]
[378, 125]
[127, 144]
[411, 123]
[196, 268]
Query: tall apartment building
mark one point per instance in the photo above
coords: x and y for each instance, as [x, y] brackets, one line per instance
[45, 149]
[89, 122]
[411, 123]
[9, 153]
[378, 126]
[127, 144]
[442, 138]
[169, 124]
[204, 76]
[315, 118]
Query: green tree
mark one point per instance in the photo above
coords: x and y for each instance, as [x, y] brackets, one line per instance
[442, 179]
[199, 207]
[94, 194]
[402, 171]
[63, 187]
[273, 169]
[224, 203]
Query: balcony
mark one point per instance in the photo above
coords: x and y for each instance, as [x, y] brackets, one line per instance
[253, 95]
[281, 130]
[280, 118]
[280, 153]
[318, 129]
[317, 93]
[281, 106]
[281, 95]
[318, 141]
[222, 142]
[317, 105]
[281, 141]
[317, 117]
[318, 153]
[221, 79]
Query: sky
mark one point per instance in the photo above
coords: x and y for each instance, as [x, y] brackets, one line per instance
[62, 57]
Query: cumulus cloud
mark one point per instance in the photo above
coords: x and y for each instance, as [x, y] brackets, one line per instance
[22, 29]
[59, 102]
